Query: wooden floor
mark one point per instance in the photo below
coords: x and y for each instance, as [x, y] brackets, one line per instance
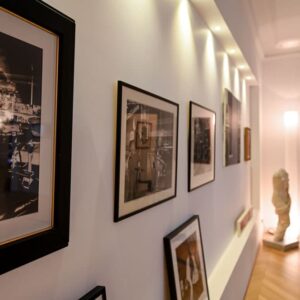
[276, 275]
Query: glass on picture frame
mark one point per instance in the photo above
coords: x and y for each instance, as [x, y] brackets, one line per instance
[202, 149]
[146, 150]
[185, 262]
[36, 90]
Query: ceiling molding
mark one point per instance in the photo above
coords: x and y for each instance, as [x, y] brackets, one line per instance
[251, 19]
[210, 13]
[276, 26]
[282, 55]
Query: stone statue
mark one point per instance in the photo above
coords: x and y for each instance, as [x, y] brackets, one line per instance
[282, 202]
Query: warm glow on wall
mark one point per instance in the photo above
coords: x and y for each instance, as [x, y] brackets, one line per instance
[232, 51]
[210, 53]
[226, 72]
[209, 61]
[216, 28]
[291, 119]
[184, 51]
[210, 12]
[236, 81]
[184, 20]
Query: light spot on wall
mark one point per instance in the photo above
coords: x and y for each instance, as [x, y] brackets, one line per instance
[209, 61]
[291, 119]
[245, 106]
[185, 27]
[226, 72]
[236, 83]
[183, 49]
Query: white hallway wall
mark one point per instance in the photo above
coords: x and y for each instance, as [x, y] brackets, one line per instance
[164, 47]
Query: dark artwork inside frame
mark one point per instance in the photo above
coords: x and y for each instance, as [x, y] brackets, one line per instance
[149, 150]
[189, 269]
[20, 122]
[232, 130]
[202, 144]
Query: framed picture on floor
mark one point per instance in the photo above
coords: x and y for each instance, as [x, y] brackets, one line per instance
[146, 153]
[232, 129]
[247, 143]
[36, 100]
[202, 137]
[185, 262]
[97, 293]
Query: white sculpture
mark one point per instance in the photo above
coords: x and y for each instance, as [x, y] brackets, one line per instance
[282, 202]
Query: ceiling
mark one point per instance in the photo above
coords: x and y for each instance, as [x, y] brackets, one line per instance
[277, 25]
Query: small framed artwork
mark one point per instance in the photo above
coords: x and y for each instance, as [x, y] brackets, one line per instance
[243, 220]
[146, 154]
[185, 262]
[202, 137]
[247, 143]
[232, 129]
[36, 100]
[97, 293]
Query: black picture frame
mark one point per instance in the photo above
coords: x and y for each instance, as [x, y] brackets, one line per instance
[38, 15]
[202, 146]
[144, 176]
[184, 250]
[95, 294]
[232, 129]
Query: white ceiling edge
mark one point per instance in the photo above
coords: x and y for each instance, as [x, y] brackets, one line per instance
[264, 56]
[295, 54]
[290, 53]
[210, 13]
[251, 22]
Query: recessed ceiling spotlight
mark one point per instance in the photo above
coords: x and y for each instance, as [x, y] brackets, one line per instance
[217, 28]
[242, 67]
[248, 77]
[288, 44]
[232, 51]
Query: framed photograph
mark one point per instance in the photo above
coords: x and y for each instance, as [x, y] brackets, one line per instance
[202, 137]
[232, 129]
[243, 220]
[146, 153]
[185, 262]
[97, 293]
[247, 143]
[36, 100]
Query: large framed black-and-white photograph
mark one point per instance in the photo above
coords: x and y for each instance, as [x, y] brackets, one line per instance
[36, 87]
[232, 129]
[146, 153]
[202, 137]
[185, 262]
[97, 293]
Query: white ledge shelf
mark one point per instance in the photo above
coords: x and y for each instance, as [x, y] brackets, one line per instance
[222, 272]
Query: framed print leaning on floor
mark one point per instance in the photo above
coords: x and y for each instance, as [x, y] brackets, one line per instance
[36, 100]
[185, 262]
[146, 150]
[202, 141]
